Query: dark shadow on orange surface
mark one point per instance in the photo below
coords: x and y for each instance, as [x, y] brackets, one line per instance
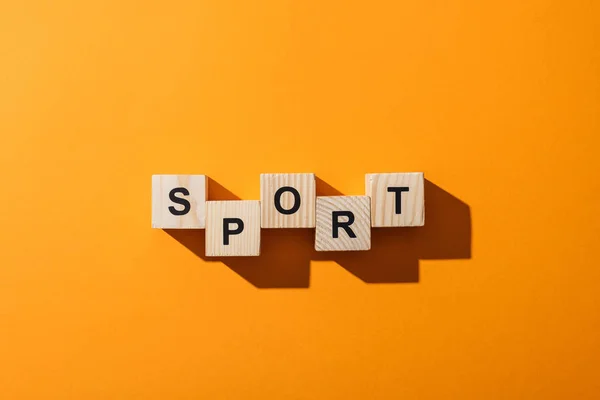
[216, 191]
[394, 256]
[325, 189]
[395, 252]
[284, 260]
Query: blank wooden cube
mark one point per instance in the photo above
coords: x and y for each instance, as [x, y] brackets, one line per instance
[343, 223]
[396, 199]
[232, 228]
[178, 201]
[287, 200]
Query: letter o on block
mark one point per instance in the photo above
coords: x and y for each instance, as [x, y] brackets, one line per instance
[287, 200]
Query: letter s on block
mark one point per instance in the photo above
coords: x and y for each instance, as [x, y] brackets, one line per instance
[178, 200]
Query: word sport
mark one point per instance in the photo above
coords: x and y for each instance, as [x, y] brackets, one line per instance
[342, 223]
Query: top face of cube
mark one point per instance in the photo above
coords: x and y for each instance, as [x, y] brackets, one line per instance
[178, 201]
[343, 223]
[397, 199]
[287, 200]
[232, 228]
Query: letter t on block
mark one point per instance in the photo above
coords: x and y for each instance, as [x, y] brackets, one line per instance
[396, 199]
[287, 200]
[178, 201]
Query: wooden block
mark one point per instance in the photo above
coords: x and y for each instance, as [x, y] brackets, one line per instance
[287, 200]
[396, 199]
[178, 201]
[343, 223]
[232, 228]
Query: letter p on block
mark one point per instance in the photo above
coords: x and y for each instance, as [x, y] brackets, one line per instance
[232, 228]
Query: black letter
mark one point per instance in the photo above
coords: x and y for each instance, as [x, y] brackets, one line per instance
[227, 231]
[177, 200]
[398, 195]
[296, 205]
[344, 225]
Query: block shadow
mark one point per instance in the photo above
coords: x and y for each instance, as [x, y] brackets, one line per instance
[284, 260]
[395, 252]
[394, 257]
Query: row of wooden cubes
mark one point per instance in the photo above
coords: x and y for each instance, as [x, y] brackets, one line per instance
[343, 223]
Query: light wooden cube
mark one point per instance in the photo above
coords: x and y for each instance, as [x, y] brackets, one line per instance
[232, 228]
[343, 223]
[287, 200]
[397, 199]
[178, 201]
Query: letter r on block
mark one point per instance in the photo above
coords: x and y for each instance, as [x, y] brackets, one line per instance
[343, 223]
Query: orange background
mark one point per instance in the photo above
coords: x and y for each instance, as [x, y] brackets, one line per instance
[497, 102]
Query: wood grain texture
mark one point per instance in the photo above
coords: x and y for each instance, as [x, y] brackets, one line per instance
[246, 243]
[306, 187]
[162, 217]
[384, 212]
[360, 208]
